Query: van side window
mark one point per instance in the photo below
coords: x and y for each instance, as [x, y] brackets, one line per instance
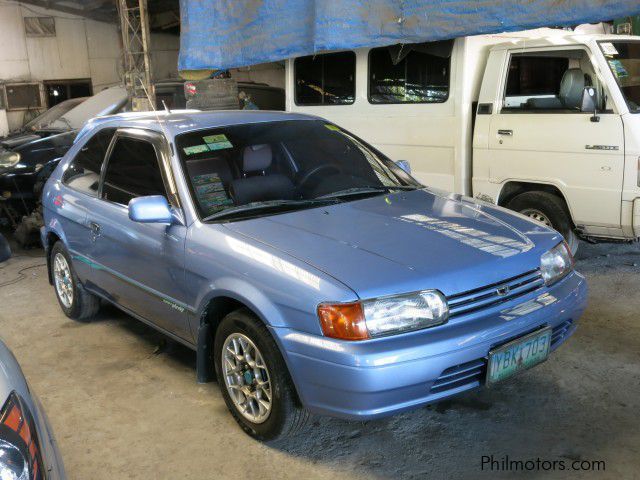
[83, 173]
[551, 81]
[132, 171]
[410, 73]
[326, 79]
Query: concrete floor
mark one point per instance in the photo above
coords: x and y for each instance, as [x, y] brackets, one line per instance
[124, 402]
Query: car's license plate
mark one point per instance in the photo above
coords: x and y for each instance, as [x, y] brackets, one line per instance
[518, 355]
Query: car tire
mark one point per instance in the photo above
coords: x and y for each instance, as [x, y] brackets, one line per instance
[285, 415]
[548, 209]
[76, 302]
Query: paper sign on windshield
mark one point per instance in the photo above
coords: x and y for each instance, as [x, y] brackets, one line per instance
[608, 48]
[217, 142]
[195, 149]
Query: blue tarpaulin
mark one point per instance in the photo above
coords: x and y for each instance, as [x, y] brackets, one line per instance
[220, 34]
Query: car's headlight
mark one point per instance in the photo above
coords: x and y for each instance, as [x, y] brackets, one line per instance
[20, 457]
[383, 316]
[9, 159]
[556, 263]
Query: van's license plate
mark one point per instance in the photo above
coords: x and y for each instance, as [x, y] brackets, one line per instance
[518, 355]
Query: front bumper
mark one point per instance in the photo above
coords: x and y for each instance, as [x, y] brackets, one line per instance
[19, 184]
[50, 452]
[375, 378]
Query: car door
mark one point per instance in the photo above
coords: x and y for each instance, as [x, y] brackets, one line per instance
[541, 135]
[77, 195]
[139, 266]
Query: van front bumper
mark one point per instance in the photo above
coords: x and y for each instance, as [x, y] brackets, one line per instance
[375, 378]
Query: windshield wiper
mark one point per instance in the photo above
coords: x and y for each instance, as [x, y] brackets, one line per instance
[272, 206]
[367, 191]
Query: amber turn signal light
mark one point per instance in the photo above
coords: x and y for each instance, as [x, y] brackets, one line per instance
[343, 320]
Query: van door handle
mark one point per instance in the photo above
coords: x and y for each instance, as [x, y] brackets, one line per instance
[508, 133]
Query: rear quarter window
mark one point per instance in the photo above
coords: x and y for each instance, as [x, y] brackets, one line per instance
[83, 172]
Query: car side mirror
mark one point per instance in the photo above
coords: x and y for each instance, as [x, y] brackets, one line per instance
[5, 250]
[151, 209]
[590, 102]
[404, 165]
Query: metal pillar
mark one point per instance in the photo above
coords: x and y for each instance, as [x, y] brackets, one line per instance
[134, 26]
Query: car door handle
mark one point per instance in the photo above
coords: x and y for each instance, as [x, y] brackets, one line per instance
[95, 229]
[508, 133]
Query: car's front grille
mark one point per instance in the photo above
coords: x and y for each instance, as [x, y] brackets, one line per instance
[559, 332]
[460, 375]
[494, 294]
[473, 373]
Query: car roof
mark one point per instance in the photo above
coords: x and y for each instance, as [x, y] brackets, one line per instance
[180, 121]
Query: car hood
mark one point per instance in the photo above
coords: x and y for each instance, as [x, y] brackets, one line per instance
[17, 139]
[42, 150]
[407, 241]
[11, 377]
[108, 101]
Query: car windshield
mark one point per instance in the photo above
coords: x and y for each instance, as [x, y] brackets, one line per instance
[623, 58]
[45, 119]
[268, 167]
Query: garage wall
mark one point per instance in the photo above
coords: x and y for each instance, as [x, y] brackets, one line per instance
[82, 48]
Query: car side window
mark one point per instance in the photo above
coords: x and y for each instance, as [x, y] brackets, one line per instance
[132, 171]
[83, 173]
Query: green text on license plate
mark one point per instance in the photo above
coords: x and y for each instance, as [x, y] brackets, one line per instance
[520, 354]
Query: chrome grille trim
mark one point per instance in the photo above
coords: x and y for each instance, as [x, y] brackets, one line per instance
[488, 296]
[560, 331]
[460, 375]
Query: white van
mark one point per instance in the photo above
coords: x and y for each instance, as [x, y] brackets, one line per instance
[508, 119]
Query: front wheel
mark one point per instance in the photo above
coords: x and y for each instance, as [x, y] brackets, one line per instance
[254, 379]
[548, 209]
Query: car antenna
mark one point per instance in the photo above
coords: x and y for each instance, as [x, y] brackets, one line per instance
[166, 109]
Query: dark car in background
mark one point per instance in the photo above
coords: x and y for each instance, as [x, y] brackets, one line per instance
[41, 126]
[24, 164]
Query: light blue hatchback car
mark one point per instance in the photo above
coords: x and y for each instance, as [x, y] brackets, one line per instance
[309, 272]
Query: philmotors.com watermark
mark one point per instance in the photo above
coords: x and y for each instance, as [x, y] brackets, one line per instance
[491, 463]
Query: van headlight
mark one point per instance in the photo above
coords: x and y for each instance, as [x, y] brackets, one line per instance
[383, 316]
[557, 263]
[9, 159]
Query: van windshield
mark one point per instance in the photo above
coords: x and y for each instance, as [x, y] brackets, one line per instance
[267, 167]
[623, 58]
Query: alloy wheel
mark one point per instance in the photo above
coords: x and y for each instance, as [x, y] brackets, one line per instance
[247, 378]
[63, 280]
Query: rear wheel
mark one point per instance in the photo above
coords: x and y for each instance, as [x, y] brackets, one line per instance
[548, 209]
[75, 301]
[254, 379]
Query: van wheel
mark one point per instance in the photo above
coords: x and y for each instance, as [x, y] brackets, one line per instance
[548, 209]
[75, 301]
[254, 379]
